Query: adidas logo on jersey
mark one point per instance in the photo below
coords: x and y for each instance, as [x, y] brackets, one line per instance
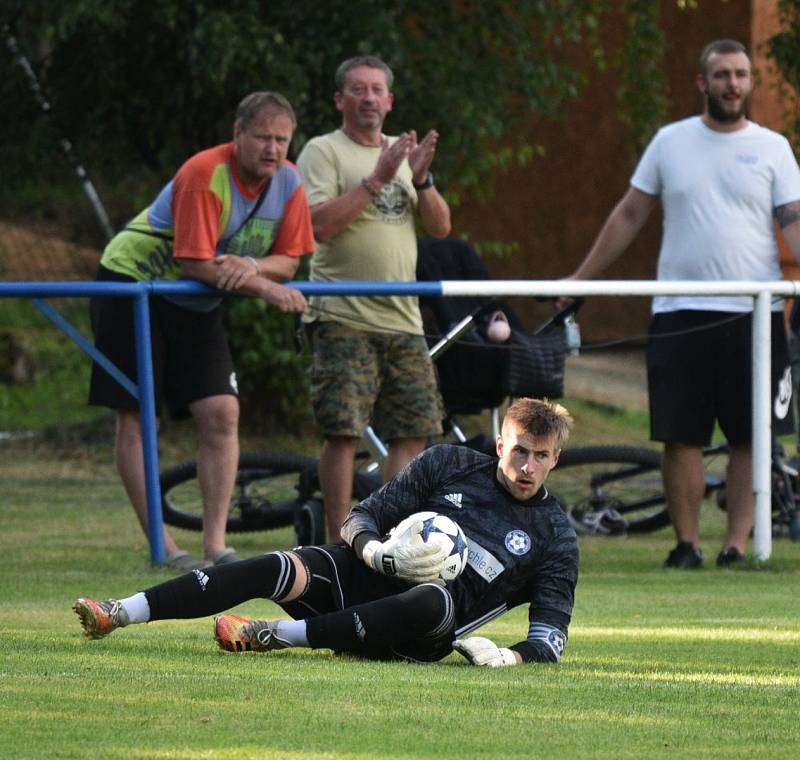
[454, 499]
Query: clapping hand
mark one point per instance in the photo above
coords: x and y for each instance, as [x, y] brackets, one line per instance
[392, 156]
[421, 155]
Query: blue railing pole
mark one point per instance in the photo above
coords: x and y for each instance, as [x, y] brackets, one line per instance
[147, 413]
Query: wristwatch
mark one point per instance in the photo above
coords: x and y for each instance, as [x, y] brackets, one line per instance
[424, 185]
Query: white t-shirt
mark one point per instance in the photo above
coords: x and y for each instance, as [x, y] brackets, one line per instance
[718, 191]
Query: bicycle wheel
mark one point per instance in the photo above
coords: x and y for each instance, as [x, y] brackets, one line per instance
[610, 489]
[264, 497]
[309, 522]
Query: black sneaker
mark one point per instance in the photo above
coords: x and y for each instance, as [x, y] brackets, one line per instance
[684, 556]
[730, 557]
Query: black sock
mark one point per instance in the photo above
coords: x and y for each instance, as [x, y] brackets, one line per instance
[216, 589]
[377, 626]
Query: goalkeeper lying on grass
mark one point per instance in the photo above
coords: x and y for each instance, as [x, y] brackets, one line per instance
[382, 599]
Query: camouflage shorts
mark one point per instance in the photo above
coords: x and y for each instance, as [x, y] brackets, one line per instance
[359, 377]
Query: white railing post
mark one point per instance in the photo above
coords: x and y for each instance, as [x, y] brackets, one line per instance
[762, 426]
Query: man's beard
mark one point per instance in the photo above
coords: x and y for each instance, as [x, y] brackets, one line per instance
[718, 112]
[369, 120]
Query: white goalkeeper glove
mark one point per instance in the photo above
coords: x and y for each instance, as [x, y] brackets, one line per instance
[417, 563]
[481, 651]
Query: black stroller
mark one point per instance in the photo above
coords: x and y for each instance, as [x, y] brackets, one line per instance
[526, 364]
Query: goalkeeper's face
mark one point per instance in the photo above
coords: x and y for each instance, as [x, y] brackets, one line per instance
[525, 460]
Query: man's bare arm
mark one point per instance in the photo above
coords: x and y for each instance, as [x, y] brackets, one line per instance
[788, 214]
[433, 209]
[618, 232]
[333, 217]
[245, 276]
[788, 217]
[434, 212]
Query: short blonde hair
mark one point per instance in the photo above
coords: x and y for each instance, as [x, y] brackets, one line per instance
[541, 418]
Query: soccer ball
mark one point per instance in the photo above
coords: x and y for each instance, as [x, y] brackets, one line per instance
[437, 529]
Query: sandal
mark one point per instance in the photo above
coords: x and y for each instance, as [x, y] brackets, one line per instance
[226, 556]
[183, 561]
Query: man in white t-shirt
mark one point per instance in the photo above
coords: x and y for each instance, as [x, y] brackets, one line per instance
[723, 181]
[370, 359]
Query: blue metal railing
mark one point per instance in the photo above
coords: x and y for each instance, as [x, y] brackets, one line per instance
[144, 390]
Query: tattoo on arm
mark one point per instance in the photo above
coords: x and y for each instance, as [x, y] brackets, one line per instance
[788, 214]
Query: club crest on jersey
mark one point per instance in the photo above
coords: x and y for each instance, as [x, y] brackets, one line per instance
[518, 542]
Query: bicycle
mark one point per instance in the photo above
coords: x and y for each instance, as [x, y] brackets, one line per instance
[611, 490]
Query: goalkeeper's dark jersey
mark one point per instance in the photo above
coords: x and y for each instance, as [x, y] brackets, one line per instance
[519, 551]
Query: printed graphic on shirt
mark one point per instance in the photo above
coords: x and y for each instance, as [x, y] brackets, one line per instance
[393, 202]
[252, 239]
[483, 562]
[157, 263]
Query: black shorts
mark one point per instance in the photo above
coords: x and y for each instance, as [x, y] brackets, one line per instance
[191, 357]
[341, 580]
[703, 374]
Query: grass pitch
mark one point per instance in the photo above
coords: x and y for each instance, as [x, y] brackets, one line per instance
[696, 664]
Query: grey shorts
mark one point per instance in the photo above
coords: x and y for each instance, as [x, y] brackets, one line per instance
[387, 379]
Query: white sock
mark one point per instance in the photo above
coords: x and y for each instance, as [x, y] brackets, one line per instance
[137, 607]
[293, 631]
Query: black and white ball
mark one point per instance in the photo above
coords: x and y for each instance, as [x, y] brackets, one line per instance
[441, 530]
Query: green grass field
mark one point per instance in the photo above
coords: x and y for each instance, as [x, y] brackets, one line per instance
[659, 663]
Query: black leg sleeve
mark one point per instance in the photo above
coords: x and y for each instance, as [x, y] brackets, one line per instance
[216, 589]
[375, 628]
